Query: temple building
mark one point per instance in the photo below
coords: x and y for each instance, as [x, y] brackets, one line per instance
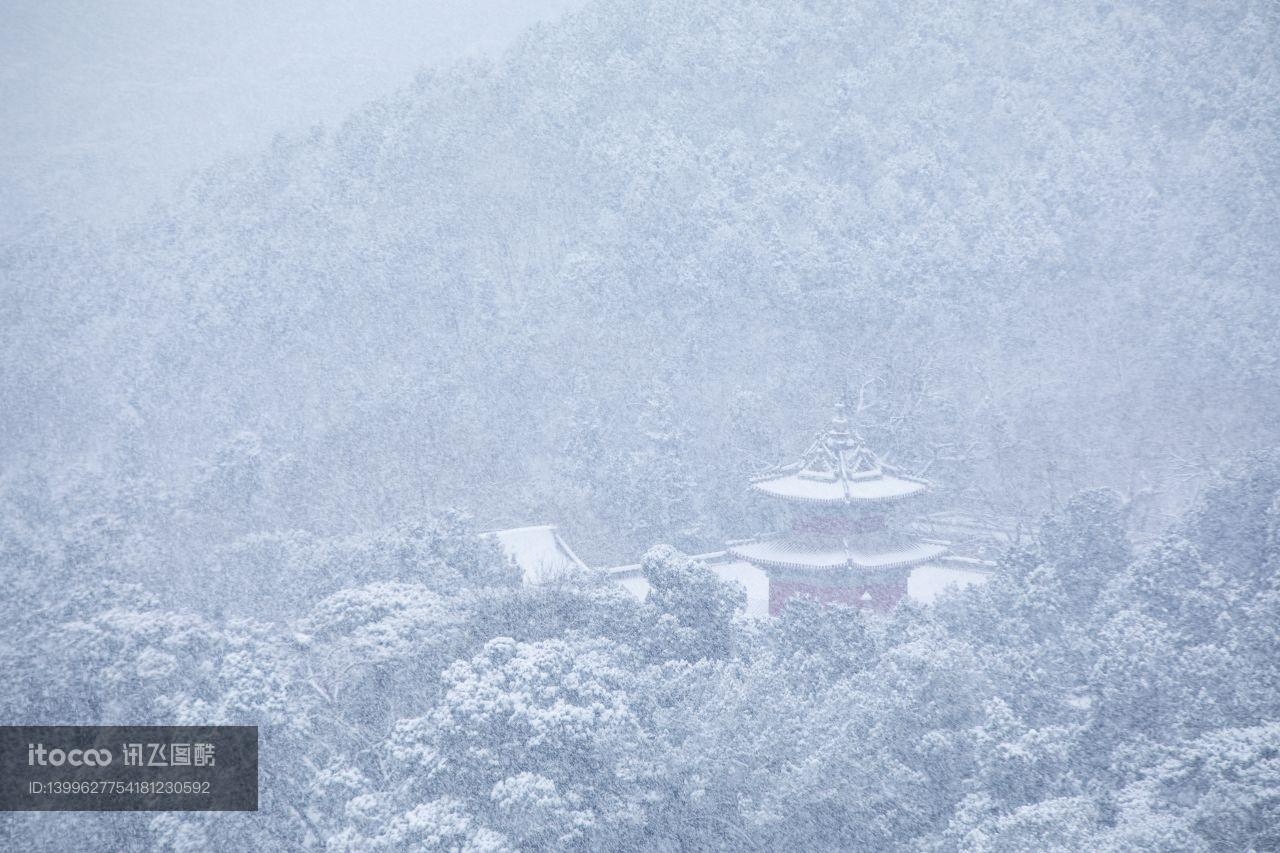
[848, 540]
[851, 537]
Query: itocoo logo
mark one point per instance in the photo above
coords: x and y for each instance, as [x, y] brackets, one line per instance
[37, 754]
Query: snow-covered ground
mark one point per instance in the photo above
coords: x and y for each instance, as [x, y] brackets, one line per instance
[543, 555]
[924, 585]
[927, 581]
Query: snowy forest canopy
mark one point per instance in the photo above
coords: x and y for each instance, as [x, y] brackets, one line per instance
[601, 281]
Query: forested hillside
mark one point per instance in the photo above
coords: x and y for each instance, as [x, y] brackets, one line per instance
[249, 446]
[1086, 699]
[638, 257]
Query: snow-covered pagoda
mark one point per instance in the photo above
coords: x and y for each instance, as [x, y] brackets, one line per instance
[848, 541]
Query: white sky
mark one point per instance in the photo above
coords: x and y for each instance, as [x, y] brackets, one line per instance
[107, 104]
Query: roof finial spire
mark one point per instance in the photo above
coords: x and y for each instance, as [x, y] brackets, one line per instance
[839, 423]
[841, 433]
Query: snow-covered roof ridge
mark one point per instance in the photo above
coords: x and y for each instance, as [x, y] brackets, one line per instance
[839, 467]
[789, 552]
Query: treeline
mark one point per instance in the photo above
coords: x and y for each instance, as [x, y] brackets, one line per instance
[1087, 698]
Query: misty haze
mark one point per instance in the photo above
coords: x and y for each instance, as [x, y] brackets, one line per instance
[637, 425]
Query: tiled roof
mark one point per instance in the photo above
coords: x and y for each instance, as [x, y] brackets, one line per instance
[792, 553]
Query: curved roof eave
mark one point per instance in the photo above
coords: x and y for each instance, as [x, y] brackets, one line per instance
[762, 486]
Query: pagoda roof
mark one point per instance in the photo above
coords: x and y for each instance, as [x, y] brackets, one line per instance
[789, 552]
[839, 468]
